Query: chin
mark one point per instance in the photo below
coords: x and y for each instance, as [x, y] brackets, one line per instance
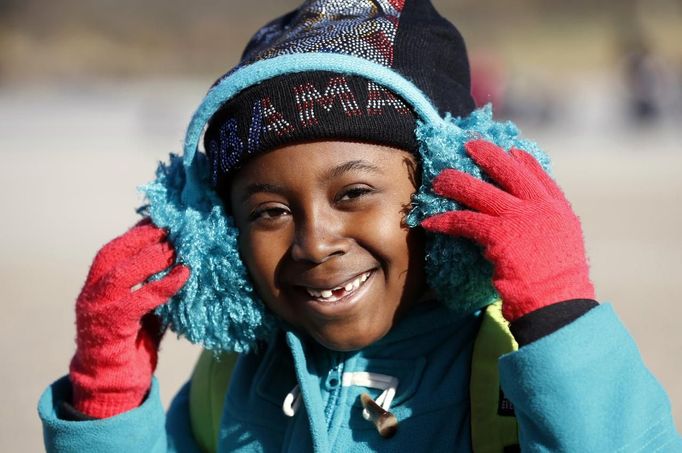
[346, 343]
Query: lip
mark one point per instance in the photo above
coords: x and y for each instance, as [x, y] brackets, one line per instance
[340, 307]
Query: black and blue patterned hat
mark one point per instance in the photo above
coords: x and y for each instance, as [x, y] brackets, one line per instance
[408, 36]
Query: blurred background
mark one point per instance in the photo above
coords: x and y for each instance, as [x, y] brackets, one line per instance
[93, 94]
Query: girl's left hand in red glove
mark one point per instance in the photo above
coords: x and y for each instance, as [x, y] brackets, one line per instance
[525, 225]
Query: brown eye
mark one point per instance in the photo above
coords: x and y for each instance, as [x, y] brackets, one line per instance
[354, 193]
[269, 213]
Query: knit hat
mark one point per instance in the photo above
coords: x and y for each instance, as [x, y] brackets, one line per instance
[408, 36]
[344, 59]
[305, 107]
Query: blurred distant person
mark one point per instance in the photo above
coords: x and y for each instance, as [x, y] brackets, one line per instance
[643, 81]
[488, 80]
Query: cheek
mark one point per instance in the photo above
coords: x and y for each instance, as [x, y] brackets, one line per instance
[415, 257]
[262, 254]
[401, 248]
[384, 234]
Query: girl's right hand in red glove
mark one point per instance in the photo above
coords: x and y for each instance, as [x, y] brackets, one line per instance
[117, 334]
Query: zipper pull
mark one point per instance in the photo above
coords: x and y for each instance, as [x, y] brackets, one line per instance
[385, 422]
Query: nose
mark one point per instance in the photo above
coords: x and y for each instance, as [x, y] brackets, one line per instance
[319, 237]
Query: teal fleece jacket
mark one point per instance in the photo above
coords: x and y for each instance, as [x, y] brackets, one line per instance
[582, 388]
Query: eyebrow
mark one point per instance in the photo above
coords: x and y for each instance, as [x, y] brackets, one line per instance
[261, 187]
[352, 165]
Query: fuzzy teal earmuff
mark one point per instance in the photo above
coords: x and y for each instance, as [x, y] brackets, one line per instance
[218, 307]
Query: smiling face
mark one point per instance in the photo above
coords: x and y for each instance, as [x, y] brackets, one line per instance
[322, 235]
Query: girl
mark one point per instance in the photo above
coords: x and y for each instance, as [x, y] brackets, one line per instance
[291, 248]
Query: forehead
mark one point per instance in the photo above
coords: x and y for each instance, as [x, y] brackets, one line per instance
[325, 160]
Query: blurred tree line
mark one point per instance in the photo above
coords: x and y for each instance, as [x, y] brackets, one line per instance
[73, 39]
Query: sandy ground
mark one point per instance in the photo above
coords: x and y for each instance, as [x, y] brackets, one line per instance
[71, 159]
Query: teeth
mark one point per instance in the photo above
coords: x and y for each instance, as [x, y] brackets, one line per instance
[328, 294]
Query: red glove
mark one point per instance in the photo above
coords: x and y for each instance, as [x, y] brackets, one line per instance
[526, 226]
[118, 338]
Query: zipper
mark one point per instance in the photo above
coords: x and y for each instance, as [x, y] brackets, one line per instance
[333, 384]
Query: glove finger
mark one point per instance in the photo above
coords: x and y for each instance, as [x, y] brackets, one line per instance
[472, 192]
[468, 224]
[534, 166]
[124, 246]
[505, 171]
[138, 268]
[156, 293]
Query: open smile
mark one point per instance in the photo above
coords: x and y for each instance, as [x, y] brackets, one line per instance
[337, 302]
[340, 291]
